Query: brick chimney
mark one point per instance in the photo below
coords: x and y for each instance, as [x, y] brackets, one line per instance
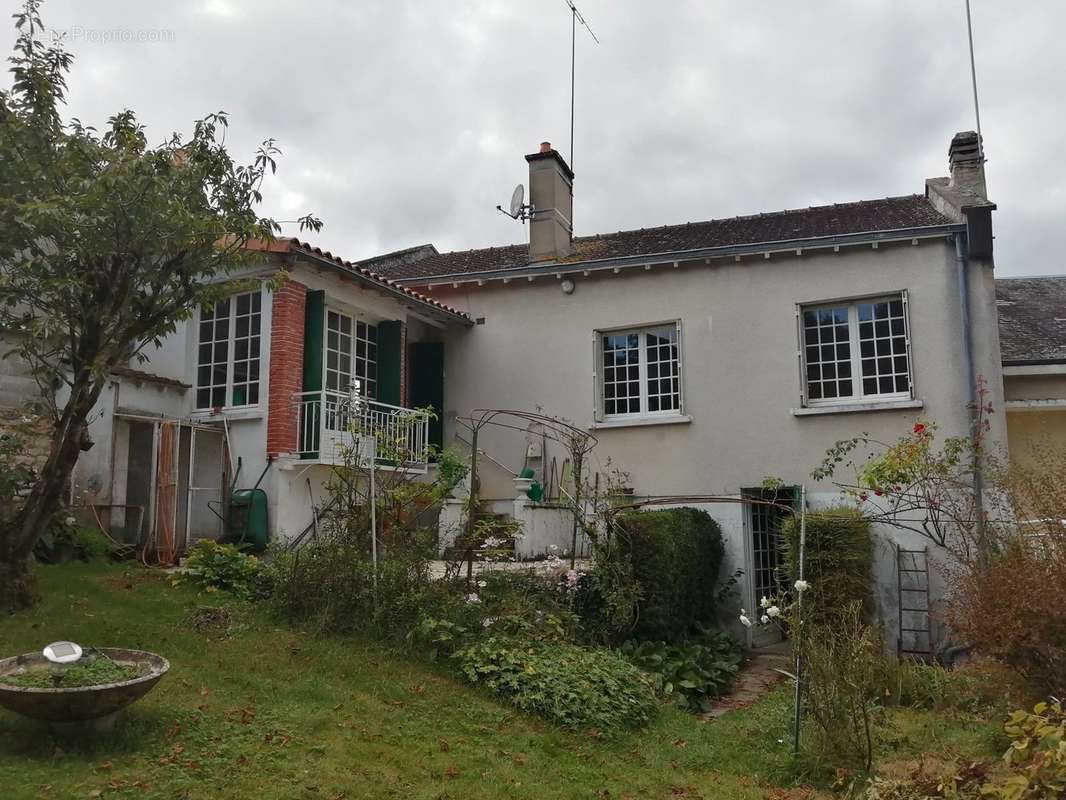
[551, 193]
[967, 165]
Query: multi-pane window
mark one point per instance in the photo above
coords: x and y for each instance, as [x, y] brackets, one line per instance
[351, 354]
[641, 371]
[228, 353]
[858, 350]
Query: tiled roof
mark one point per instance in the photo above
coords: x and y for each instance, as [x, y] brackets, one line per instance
[148, 377]
[1032, 319]
[887, 214]
[293, 245]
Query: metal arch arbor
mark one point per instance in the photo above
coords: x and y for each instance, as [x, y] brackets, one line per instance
[579, 443]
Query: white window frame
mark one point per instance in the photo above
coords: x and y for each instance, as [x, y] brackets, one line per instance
[858, 396]
[356, 321]
[642, 330]
[231, 351]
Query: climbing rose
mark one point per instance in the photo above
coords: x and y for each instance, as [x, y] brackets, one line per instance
[744, 619]
[765, 603]
[764, 619]
[919, 428]
[801, 586]
[773, 611]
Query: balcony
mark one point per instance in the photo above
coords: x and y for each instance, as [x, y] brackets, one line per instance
[335, 427]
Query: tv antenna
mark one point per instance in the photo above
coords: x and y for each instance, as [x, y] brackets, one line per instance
[973, 78]
[518, 208]
[575, 17]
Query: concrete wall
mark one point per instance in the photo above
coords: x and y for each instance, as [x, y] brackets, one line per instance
[740, 374]
[1036, 437]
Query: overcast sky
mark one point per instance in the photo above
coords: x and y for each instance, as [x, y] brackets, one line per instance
[405, 121]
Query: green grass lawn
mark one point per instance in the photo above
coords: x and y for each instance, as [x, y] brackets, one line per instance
[269, 712]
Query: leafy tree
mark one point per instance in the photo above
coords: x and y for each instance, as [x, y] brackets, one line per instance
[106, 244]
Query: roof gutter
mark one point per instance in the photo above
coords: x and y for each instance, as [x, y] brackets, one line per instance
[706, 253]
[425, 308]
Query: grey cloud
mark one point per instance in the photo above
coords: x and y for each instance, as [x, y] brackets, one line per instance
[404, 122]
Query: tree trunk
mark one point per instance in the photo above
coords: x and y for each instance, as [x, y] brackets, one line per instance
[18, 585]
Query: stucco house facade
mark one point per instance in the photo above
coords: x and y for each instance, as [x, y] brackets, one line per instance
[708, 356]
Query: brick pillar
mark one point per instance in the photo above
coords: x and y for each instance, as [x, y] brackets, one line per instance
[286, 368]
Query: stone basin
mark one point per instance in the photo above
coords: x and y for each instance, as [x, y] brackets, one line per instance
[97, 704]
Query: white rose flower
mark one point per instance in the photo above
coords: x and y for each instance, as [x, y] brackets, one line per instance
[473, 599]
[802, 586]
[764, 619]
[70, 520]
[765, 603]
[745, 621]
[773, 611]
[482, 584]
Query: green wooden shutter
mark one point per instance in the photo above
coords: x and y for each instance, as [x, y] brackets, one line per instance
[314, 323]
[389, 362]
[427, 385]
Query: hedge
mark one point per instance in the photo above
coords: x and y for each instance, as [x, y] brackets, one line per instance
[838, 559]
[675, 556]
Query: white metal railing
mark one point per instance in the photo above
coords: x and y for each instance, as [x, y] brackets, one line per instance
[332, 425]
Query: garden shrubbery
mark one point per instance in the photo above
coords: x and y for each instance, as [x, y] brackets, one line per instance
[838, 558]
[569, 685]
[674, 556]
[693, 672]
[213, 566]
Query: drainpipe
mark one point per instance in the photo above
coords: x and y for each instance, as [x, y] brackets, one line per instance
[962, 269]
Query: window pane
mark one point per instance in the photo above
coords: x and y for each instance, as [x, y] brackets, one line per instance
[829, 362]
[885, 367]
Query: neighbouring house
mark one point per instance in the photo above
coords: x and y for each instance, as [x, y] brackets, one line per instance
[1032, 331]
[708, 356]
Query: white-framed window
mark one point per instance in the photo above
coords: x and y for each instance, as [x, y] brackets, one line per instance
[640, 371]
[855, 350]
[228, 352]
[351, 354]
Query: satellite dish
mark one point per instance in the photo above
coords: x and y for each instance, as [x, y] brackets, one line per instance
[517, 197]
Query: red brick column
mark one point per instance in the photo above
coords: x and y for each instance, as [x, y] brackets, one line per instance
[286, 368]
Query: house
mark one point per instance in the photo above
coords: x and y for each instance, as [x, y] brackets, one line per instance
[708, 356]
[1032, 331]
[704, 357]
[253, 393]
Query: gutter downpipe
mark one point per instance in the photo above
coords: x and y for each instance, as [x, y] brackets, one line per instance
[962, 269]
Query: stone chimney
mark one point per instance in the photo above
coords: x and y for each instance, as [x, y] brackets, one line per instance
[963, 197]
[551, 193]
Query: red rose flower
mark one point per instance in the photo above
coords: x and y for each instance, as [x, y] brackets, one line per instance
[919, 428]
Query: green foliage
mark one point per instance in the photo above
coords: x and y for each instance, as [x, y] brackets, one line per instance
[568, 685]
[107, 243]
[694, 672]
[90, 670]
[674, 556]
[213, 566]
[837, 561]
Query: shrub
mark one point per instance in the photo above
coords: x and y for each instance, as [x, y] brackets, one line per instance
[330, 587]
[213, 566]
[674, 556]
[842, 688]
[979, 686]
[693, 672]
[1010, 608]
[568, 685]
[837, 561]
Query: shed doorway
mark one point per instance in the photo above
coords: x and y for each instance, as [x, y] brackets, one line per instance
[765, 560]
